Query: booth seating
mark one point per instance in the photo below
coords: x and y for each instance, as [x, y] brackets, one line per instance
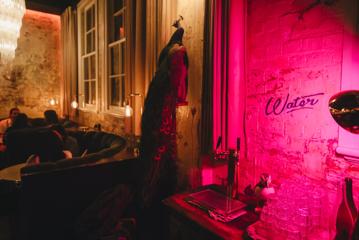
[53, 194]
[20, 144]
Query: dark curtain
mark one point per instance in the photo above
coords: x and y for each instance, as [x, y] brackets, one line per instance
[206, 124]
[215, 66]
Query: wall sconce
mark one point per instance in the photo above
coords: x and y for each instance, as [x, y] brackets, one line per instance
[53, 101]
[131, 115]
[74, 104]
[137, 95]
[128, 110]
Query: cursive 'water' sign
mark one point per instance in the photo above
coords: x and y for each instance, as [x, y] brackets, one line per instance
[278, 105]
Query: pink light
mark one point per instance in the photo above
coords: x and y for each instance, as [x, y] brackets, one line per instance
[207, 176]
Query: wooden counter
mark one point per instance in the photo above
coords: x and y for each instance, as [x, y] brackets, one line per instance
[189, 222]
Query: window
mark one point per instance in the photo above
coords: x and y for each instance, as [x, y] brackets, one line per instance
[104, 52]
[87, 55]
[117, 81]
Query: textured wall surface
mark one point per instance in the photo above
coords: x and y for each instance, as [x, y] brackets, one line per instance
[188, 116]
[34, 77]
[293, 68]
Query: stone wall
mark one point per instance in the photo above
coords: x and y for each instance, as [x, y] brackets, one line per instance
[34, 77]
[293, 68]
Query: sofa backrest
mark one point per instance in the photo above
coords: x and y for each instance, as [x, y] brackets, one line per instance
[94, 141]
[52, 196]
[22, 143]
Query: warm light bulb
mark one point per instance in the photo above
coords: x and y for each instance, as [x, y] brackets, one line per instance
[74, 104]
[128, 111]
[52, 101]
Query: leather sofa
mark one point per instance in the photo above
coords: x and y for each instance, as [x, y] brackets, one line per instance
[53, 194]
[20, 144]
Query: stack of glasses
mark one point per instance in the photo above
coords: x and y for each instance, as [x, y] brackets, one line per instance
[295, 211]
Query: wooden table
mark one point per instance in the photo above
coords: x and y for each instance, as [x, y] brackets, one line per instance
[12, 172]
[189, 222]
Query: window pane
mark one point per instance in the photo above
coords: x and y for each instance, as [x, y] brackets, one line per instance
[90, 39]
[83, 32]
[86, 68]
[118, 5]
[90, 18]
[122, 58]
[92, 67]
[87, 92]
[116, 41]
[114, 60]
[122, 96]
[88, 42]
[119, 30]
[115, 91]
[93, 93]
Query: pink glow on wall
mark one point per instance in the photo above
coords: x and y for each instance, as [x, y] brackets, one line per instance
[289, 58]
[290, 61]
[207, 176]
[292, 68]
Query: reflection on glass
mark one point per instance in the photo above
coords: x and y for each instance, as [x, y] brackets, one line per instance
[344, 108]
[119, 26]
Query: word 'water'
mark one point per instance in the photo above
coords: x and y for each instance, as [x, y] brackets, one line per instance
[278, 106]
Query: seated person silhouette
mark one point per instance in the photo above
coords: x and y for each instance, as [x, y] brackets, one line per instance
[70, 143]
[51, 117]
[20, 122]
[48, 147]
[6, 123]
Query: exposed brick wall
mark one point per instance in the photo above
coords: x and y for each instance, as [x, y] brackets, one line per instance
[290, 57]
[35, 74]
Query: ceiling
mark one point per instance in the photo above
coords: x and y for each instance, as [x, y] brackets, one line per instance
[50, 6]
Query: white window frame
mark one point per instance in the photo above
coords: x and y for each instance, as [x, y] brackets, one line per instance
[82, 7]
[108, 108]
